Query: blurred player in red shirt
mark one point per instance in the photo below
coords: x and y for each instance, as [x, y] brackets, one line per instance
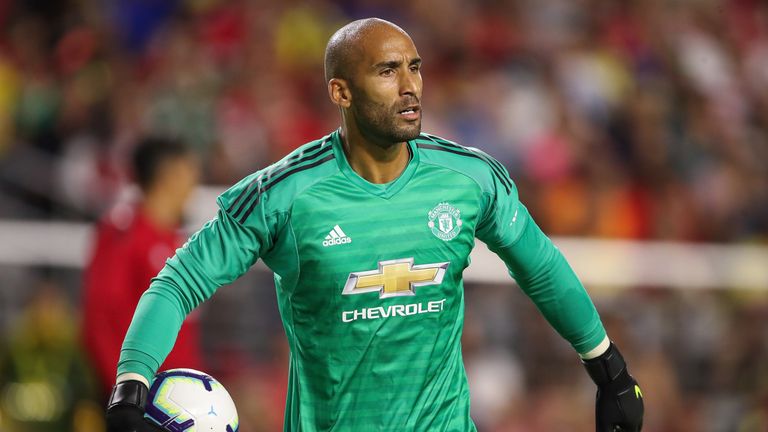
[131, 245]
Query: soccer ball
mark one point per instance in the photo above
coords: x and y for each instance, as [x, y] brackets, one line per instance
[186, 400]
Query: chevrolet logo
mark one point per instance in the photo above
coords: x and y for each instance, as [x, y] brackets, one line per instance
[395, 278]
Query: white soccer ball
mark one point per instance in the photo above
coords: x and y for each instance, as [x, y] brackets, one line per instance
[186, 400]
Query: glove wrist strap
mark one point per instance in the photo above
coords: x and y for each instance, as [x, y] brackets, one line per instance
[606, 367]
[131, 393]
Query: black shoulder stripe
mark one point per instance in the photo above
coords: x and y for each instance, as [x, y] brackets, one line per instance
[262, 180]
[278, 180]
[259, 184]
[243, 194]
[445, 142]
[495, 165]
[274, 174]
[463, 153]
[291, 161]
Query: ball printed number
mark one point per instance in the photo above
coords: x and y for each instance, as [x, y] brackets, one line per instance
[186, 400]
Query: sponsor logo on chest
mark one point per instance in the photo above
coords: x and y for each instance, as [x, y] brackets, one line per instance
[394, 278]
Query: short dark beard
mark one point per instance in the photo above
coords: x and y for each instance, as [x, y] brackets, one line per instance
[376, 121]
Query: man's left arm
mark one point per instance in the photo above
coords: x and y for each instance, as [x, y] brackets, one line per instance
[546, 277]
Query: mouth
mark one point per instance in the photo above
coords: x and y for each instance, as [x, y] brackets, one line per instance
[410, 113]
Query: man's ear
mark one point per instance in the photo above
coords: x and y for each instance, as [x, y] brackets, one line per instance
[338, 90]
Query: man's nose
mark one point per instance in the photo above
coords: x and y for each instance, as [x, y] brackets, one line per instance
[409, 83]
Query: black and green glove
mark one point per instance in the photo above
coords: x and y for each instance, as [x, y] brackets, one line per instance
[125, 410]
[619, 405]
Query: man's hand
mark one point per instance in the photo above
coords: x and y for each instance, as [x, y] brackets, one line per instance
[125, 411]
[619, 399]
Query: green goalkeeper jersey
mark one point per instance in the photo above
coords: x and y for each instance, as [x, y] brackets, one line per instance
[368, 279]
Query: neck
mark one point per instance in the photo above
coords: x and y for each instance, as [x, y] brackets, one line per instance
[377, 164]
[162, 212]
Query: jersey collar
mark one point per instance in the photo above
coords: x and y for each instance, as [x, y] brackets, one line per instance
[385, 190]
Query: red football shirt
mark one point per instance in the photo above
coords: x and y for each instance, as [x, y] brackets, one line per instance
[128, 251]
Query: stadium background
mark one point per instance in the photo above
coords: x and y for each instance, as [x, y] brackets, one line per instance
[637, 132]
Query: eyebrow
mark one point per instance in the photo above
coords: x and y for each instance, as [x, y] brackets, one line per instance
[395, 63]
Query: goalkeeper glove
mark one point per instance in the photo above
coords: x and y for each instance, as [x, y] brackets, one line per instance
[125, 410]
[619, 405]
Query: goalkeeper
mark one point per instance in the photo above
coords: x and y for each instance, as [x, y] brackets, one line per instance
[368, 231]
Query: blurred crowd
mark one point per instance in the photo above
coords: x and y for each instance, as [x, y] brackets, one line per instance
[642, 119]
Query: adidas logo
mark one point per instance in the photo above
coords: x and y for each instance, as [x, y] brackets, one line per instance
[336, 237]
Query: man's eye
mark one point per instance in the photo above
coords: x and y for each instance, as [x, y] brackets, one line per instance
[386, 72]
[415, 68]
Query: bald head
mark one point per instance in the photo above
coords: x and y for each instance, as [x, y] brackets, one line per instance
[346, 45]
[373, 71]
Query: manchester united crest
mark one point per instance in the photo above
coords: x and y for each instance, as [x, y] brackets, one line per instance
[445, 221]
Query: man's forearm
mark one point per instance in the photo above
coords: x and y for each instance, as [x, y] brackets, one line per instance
[152, 333]
[561, 298]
